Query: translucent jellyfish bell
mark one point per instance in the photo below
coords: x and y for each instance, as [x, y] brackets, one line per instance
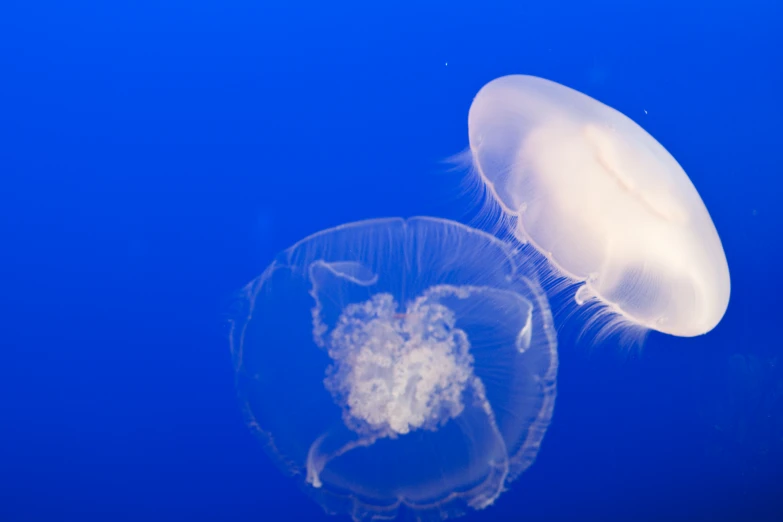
[395, 363]
[603, 201]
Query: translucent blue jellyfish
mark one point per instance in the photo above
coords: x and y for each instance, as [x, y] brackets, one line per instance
[603, 201]
[397, 364]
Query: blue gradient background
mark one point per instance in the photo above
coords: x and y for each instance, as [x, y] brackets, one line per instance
[154, 156]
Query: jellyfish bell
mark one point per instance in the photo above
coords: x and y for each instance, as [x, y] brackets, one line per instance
[397, 364]
[603, 202]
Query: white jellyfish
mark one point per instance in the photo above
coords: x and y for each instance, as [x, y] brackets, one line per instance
[397, 363]
[603, 201]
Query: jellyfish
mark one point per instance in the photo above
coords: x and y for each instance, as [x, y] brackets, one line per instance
[397, 365]
[610, 210]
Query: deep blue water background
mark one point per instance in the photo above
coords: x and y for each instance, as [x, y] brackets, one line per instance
[154, 156]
